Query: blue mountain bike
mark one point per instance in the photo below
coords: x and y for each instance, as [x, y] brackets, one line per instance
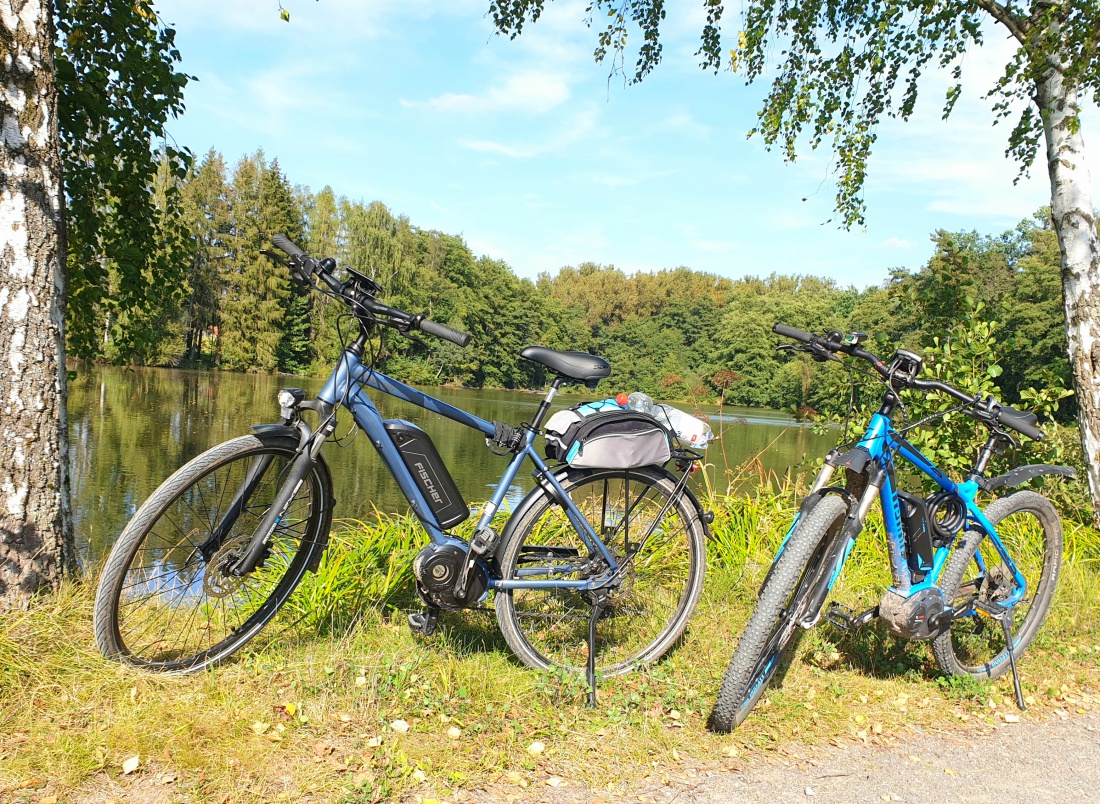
[976, 583]
[596, 569]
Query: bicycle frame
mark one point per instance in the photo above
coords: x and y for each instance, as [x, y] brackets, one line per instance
[883, 443]
[343, 388]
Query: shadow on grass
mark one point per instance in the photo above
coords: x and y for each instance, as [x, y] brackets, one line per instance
[873, 651]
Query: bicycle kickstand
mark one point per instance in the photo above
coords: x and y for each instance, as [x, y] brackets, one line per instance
[1003, 615]
[597, 610]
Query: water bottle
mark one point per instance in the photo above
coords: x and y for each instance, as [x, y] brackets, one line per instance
[642, 403]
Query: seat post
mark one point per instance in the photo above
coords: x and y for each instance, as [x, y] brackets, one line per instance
[544, 408]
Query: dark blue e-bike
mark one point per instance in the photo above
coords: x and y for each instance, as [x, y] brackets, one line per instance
[975, 582]
[596, 569]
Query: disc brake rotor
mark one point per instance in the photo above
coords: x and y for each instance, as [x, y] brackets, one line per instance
[217, 583]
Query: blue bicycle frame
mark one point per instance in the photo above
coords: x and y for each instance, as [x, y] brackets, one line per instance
[343, 388]
[882, 443]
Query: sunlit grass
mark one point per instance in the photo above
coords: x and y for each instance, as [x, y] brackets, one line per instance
[314, 707]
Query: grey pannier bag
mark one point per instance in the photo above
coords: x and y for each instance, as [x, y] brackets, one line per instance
[615, 439]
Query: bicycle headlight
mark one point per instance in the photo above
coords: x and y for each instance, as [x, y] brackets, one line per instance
[289, 399]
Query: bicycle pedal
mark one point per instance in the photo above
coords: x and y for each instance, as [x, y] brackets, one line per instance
[990, 609]
[424, 622]
[846, 619]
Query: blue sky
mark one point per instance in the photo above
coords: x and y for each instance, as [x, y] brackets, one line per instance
[527, 149]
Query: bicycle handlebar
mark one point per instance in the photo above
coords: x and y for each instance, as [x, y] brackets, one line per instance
[399, 319]
[987, 411]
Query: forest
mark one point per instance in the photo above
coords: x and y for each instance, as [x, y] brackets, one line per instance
[675, 334]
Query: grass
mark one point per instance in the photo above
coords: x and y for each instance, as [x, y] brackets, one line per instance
[320, 705]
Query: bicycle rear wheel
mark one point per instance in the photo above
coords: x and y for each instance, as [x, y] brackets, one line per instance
[1029, 527]
[165, 601]
[759, 652]
[650, 604]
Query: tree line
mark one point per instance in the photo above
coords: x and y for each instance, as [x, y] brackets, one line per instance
[675, 333]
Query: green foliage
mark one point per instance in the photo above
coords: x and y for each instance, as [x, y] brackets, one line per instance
[117, 87]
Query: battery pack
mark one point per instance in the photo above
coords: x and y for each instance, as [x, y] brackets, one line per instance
[435, 482]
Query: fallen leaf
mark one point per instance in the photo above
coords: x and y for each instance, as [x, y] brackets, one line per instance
[950, 772]
[400, 726]
[361, 681]
[130, 765]
[30, 784]
[1012, 718]
[553, 781]
[259, 727]
[674, 715]
[454, 732]
[322, 749]
[48, 800]
[290, 709]
[536, 748]
[419, 775]
[731, 751]
[161, 779]
[810, 791]
[374, 742]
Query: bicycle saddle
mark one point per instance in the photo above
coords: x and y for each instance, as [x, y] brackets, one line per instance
[579, 366]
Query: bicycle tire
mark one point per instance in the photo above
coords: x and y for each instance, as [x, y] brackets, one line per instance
[761, 648]
[651, 606]
[162, 605]
[1022, 519]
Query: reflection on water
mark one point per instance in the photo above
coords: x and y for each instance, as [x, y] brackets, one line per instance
[131, 428]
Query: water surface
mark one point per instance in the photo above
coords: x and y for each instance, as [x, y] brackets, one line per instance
[130, 428]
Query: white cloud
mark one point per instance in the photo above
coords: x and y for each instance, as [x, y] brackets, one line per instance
[576, 129]
[531, 92]
[898, 243]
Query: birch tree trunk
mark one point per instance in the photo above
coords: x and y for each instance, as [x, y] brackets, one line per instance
[35, 521]
[1072, 210]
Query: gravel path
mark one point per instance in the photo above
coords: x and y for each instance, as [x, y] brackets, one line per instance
[1056, 759]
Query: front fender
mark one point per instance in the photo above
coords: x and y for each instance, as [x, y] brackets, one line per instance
[1022, 474]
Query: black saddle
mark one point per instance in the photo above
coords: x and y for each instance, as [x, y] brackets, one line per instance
[577, 366]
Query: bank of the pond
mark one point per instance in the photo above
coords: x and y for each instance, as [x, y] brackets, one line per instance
[341, 702]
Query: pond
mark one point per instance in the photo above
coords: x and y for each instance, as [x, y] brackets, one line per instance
[130, 428]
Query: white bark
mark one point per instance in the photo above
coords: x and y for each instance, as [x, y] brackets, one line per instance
[35, 525]
[1072, 210]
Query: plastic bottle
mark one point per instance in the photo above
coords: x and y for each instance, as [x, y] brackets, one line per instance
[642, 403]
[691, 430]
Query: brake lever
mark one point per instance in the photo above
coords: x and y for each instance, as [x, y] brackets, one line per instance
[417, 341]
[276, 258]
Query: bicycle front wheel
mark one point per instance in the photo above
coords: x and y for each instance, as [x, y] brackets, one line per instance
[654, 534]
[781, 605]
[165, 600]
[1029, 528]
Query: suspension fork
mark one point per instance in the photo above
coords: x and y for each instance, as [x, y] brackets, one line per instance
[300, 468]
[839, 548]
[244, 493]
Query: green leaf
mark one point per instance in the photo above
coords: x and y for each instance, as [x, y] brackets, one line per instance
[284, 14]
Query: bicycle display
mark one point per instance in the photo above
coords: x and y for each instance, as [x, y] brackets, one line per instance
[976, 583]
[596, 570]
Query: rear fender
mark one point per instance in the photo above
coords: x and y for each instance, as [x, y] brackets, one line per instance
[1022, 474]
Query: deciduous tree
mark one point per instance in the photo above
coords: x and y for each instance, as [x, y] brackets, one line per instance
[837, 68]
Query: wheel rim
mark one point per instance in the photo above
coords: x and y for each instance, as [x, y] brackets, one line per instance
[786, 623]
[645, 605]
[978, 641]
[176, 609]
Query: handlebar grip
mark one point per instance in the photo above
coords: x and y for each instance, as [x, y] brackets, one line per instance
[1021, 421]
[445, 332]
[283, 243]
[791, 332]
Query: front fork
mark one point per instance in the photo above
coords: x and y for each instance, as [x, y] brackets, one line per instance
[841, 544]
[300, 468]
